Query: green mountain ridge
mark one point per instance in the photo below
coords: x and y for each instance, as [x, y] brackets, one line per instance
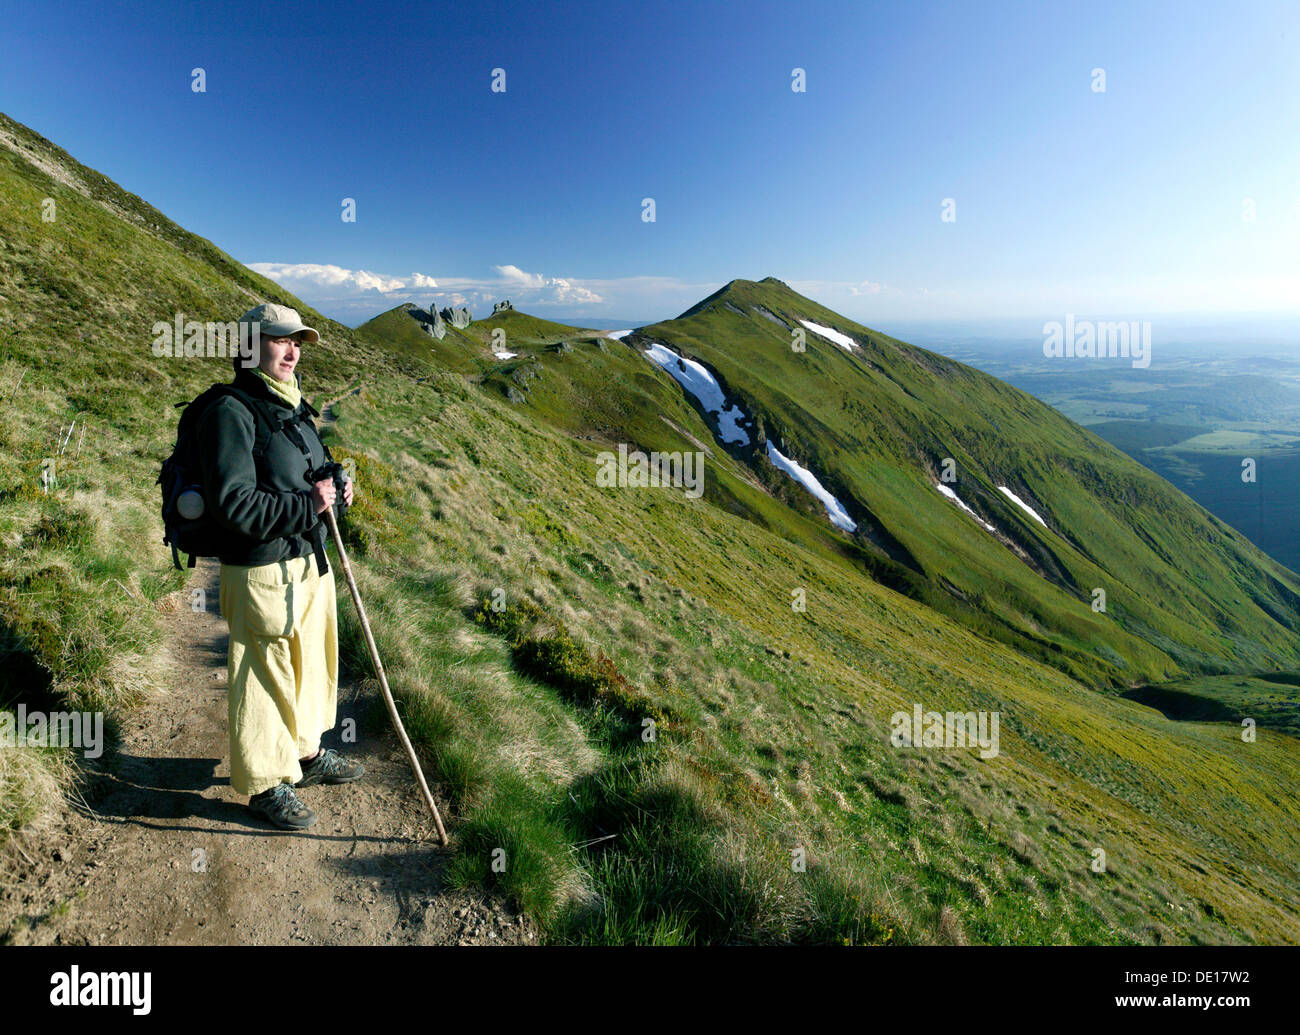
[875, 426]
[461, 348]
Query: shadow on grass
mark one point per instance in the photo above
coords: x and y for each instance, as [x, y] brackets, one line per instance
[1183, 706]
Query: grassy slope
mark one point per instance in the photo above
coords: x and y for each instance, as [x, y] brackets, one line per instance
[687, 599]
[618, 606]
[401, 335]
[1183, 589]
[465, 350]
[522, 330]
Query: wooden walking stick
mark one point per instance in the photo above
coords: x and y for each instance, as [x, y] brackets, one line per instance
[374, 653]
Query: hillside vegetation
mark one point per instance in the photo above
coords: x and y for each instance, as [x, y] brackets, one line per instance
[612, 684]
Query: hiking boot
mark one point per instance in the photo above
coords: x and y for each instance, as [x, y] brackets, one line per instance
[330, 767]
[283, 808]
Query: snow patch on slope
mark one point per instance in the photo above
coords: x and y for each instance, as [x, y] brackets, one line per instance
[1021, 504]
[834, 508]
[958, 500]
[831, 334]
[619, 335]
[505, 355]
[697, 380]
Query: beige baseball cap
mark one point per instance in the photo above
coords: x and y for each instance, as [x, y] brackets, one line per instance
[279, 321]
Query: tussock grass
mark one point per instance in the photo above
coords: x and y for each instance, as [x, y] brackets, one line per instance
[782, 748]
[32, 782]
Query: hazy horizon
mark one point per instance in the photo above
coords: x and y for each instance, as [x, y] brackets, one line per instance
[1236, 331]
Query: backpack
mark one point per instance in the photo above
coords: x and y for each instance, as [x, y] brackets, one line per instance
[182, 472]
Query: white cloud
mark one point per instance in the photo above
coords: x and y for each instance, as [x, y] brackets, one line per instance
[567, 291]
[518, 278]
[310, 279]
[541, 290]
[360, 294]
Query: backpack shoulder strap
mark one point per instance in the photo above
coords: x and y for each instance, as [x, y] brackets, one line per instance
[263, 416]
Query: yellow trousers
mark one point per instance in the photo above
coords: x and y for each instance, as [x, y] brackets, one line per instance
[282, 668]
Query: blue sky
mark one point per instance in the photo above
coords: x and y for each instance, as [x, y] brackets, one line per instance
[1127, 202]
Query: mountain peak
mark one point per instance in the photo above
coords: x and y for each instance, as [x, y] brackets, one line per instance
[739, 286]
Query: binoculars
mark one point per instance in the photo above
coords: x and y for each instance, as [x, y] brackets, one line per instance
[332, 470]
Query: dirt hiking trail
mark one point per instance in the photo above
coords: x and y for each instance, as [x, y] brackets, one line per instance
[164, 852]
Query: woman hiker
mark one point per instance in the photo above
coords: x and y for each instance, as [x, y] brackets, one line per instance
[277, 592]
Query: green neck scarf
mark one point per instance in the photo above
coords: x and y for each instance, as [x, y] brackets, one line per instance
[286, 390]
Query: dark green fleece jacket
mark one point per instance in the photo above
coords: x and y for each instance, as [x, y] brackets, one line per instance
[265, 504]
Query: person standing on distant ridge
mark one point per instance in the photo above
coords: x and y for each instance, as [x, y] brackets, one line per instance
[277, 592]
